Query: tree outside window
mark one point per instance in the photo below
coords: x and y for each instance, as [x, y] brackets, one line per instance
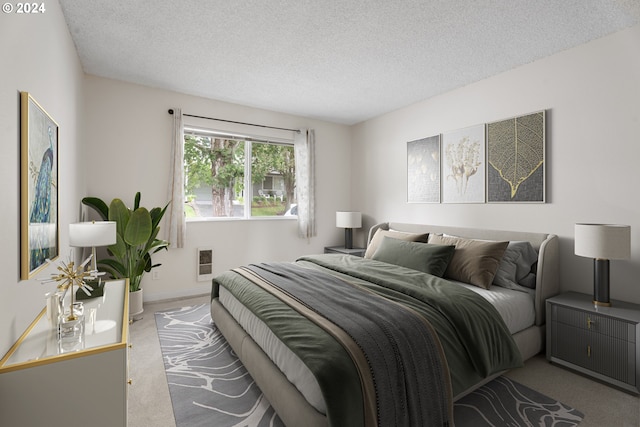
[221, 183]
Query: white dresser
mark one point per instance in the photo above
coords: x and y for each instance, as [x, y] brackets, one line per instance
[47, 383]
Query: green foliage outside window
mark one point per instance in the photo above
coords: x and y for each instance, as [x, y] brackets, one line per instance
[218, 164]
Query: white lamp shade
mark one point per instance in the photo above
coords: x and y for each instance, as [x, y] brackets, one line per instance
[348, 219]
[92, 234]
[603, 241]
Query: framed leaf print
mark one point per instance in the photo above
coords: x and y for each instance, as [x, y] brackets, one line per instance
[516, 157]
[463, 165]
[423, 170]
[39, 187]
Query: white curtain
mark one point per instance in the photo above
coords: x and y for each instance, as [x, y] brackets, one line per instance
[304, 144]
[175, 212]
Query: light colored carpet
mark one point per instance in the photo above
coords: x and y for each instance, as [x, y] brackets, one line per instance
[150, 403]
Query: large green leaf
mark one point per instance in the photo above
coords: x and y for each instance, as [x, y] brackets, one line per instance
[139, 228]
[99, 206]
[119, 213]
[119, 250]
[113, 267]
[157, 214]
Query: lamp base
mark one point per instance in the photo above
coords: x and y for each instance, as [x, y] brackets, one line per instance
[348, 238]
[601, 304]
[601, 282]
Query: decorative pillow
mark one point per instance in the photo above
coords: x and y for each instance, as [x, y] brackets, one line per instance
[474, 261]
[380, 234]
[516, 267]
[425, 257]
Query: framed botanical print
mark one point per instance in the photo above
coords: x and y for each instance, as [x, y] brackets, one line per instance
[463, 165]
[39, 187]
[423, 170]
[516, 158]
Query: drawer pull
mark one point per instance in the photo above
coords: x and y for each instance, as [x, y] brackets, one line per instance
[588, 351]
[589, 322]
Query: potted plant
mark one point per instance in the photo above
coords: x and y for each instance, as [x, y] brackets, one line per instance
[136, 233]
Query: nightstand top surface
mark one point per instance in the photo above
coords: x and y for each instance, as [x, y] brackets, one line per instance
[619, 309]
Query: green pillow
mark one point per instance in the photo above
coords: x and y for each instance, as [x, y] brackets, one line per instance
[380, 234]
[425, 257]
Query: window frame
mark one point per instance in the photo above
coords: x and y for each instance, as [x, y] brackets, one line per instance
[248, 140]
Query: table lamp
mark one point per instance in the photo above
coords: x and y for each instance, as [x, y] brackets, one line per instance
[602, 242]
[348, 221]
[92, 234]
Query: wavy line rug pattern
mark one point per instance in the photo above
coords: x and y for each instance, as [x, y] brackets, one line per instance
[209, 385]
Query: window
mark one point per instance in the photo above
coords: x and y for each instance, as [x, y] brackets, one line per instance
[235, 176]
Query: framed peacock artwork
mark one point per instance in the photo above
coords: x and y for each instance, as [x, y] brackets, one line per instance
[39, 230]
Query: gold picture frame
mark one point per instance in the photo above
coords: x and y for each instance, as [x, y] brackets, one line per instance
[39, 231]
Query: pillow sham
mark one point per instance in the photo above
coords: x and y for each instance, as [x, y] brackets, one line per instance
[474, 261]
[516, 267]
[425, 257]
[380, 234]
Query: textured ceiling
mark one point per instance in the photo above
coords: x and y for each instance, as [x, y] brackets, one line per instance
[342, 61]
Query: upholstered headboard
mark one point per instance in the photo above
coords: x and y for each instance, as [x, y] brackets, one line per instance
[548, 269]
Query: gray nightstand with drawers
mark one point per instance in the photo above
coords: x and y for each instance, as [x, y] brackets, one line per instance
[602, 342]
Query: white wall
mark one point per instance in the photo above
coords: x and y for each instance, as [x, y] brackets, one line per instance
[38, 56]
[592, 97]
[128, 137]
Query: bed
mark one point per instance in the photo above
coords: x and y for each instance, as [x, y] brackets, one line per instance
[306, 391]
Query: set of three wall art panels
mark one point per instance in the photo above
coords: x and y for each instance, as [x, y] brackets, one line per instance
[499, 162]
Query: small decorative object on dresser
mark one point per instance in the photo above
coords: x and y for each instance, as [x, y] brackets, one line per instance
[602, 342]
[71, 322]
[343, 250]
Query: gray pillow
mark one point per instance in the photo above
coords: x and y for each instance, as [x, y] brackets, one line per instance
[516, 267]
[474, 261]
[380, 234]
[432, 259]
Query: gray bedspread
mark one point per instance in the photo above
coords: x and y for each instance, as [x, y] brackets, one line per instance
[408, 381]
[349, 292]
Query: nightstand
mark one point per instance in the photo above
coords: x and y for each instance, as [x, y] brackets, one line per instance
[602, 342]
[342, 250]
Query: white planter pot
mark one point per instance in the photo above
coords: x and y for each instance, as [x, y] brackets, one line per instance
[135, 305]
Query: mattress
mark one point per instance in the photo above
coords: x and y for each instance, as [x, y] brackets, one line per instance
[515, 307]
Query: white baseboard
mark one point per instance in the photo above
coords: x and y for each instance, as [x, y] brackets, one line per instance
[182, 293]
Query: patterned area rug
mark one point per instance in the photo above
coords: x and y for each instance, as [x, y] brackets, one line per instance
[210, 386]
